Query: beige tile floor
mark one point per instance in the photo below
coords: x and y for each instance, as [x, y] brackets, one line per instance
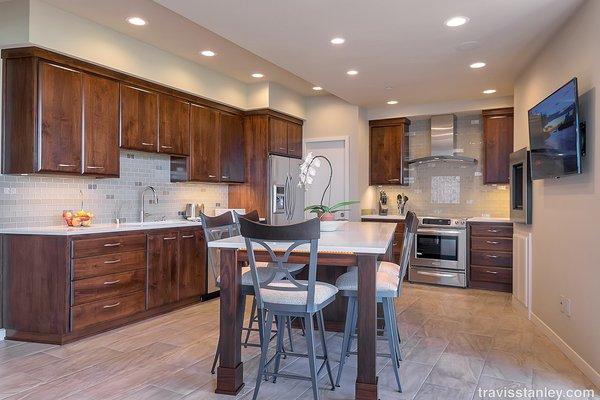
[454, 341]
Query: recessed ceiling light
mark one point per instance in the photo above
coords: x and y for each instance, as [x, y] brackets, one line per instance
[338, 40]
[489, 91]
[352, 72]
[478, 64]
[456, 21]
[137, 21]
[317, 88]
[392, 102]
[208, 53]
[257, 75]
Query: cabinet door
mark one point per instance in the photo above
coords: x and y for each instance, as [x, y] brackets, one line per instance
[139, 119]
[60, 91]
[174, 130]
[162, 269]
[294, 139]
[498, 144]
[232, 148]
[386, 155]
[205, 143]
[101, 126]
[278, 136]
[192, 266]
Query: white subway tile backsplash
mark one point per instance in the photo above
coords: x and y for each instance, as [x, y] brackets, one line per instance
[40, 200]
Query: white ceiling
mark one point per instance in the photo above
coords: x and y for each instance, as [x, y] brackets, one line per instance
[402, 44]
[170, 31]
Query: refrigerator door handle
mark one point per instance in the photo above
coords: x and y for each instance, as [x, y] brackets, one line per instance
[293, 199]
[287, 197]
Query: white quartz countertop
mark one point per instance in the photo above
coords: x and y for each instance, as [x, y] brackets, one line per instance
[392, 217]
[351, 237]
[100, 228]
[488, 219]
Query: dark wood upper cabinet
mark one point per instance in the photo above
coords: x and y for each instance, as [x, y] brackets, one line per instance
[497, 144]
[192, 266]
[205, 143]
[388, 149]
[232, 148]
[294, 134]
[60, 108]
[174, 130]
[101, 126]
[139, 119]
[163, 254]
[278, 139]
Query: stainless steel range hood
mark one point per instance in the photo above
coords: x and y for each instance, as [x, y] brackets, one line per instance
[443, 142]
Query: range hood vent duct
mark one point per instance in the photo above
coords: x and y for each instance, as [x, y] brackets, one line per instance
[443, 142]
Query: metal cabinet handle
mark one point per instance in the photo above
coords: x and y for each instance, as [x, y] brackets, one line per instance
[112, 282]
[67, 165]
[282, 148]
[493, 230]
[394, 180]
[112, 305]
[492, 272]
[170, 238]
[224, 177]
[187, 236]
[212, 176]
[94, 167]
[112, 244]
[491, 256]
[166, 147]
[112, 261]
[491, 242]
[395, 244]
[147, 144]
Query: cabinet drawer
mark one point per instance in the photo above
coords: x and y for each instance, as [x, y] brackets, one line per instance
[108, 264]
[101, 287]
[489, 243]
[491, 258]
[494, 230]
[491, 274]
[105, 310]
[108, 245]
[398, 241]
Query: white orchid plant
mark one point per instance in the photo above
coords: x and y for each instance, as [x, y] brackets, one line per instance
[308, 171]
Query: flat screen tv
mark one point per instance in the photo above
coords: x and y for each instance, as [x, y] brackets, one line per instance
[554, 134]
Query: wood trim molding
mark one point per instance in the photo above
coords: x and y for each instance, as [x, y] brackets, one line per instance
[276, 114]
[389, 122]
[496, 112]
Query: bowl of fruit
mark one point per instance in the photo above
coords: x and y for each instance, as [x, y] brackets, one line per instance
[78, 218]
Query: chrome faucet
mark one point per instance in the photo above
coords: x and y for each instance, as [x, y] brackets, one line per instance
[143, 213]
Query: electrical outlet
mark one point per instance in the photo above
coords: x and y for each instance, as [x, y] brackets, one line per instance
[565, 305]
[562, 304]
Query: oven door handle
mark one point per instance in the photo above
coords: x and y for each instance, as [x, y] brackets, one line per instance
[438, 274]
[440, 232]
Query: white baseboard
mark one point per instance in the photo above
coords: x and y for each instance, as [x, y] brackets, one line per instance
[586, 368]
[2, 334]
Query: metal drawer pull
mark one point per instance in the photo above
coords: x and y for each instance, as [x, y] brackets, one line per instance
[395, 244]
[493, 230]
[147, 144]
[282, 148]
[112, 282]
[491, 256]
[492, 272]
[112, 305]
[435, 274]
[224, 177]
[112, 244]
[394, 180]
[187, 236]
[67, 165]
[170, 238]
[112, 261]
[94, 167]
[212, 176]
[491, 242]
[166, 147]
[419, 254]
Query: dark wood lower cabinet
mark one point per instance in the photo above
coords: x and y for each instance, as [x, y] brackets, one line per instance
[57, 289]
[490, 255]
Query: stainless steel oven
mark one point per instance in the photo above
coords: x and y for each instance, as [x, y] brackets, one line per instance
[439, 253]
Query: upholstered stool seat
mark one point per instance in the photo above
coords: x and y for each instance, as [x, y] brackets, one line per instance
[389, 268]
[323, 293]
[387, 285]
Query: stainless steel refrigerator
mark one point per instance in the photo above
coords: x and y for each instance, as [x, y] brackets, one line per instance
[286, 198]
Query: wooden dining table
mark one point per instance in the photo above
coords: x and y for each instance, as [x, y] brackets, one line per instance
[358, 244]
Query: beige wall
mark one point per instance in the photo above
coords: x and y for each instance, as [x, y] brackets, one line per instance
[566, 212]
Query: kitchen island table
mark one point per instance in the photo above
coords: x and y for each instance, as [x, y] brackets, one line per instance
[353, 244]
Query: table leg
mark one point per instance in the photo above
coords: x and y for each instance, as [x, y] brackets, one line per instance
[230, 374]
[366, 379]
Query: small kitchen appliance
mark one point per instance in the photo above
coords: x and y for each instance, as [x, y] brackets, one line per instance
[383, 202]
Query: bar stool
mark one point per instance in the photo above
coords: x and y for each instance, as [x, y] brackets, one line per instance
[221, 227]
[389, 287]
[290, 297]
